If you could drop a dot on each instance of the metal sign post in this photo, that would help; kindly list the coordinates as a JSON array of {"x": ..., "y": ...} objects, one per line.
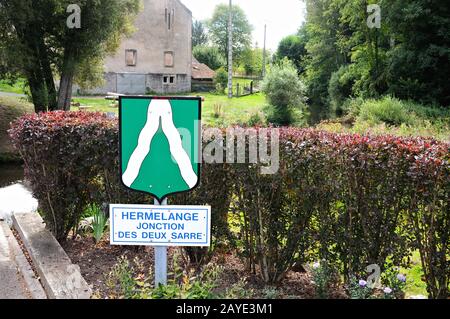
[{"x": 160, "y": 258}]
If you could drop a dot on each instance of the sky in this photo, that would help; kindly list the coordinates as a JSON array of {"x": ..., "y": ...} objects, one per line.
[{"x": 283, "y": 17}]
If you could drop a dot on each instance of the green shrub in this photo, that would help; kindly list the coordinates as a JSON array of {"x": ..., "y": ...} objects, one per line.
[
  {"x": 284, "y": 91},
  {"x": 99, "y": 221},
  {"x": 181, "y": 285},
  {"x": 340, "y": 89},
  {"x": 121, "y": 279},
  {"x": 393, "y": 284},
  {"x": 256, "y": 119},
  {"x": 358, "y": 289},
  {"x": 387, "y": 110},
  {"x": 221, "y": 78},
  {"x": 209, "y": 56},
  {"x": 379, "y": 110},
  {"x": 325, "y": 277}
]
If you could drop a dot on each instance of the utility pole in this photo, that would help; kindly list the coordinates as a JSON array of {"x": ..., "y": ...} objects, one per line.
[
  {"x": 230, "y": 51},
  {"x": 264, "y": 53}
]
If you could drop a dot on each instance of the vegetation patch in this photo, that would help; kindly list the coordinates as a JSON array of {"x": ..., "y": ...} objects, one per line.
[
  {"x": 10, "y": 110},
  {"x": 332, "y": 198}
]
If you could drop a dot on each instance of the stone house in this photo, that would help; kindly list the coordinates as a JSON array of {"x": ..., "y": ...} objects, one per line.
[{"x": 157, "y": 58}]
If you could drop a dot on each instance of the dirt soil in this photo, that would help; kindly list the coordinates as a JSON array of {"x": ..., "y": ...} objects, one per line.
[{"x": 97, "y": 261}]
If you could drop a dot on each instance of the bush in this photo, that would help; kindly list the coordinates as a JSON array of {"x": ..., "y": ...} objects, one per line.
[
  {"x": 122, "y": 280},
  {"x": 429, "y": 215},
  {"x": 284, "y": 91},
  {"x": 71, "y": 160},
  {"x": 387, "y": 110},
  {"x": 325, "y": 278},
  {"x": 221, "y": 79},
  {"x": 209, "y": 56},
  {"x": 343, "y": 198},
  {"x": 99, "y": 221},
  {"x": 340, "y": 89},
  {"x": 347, "y": 199}
]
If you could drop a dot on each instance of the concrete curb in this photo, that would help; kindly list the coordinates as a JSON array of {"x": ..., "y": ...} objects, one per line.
[
  {"x": 61, "y": 279},
  {"x": 33, "y": 285}
]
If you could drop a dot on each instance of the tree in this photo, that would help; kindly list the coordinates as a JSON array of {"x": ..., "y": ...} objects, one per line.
[
  {"x": 324, "y": 57},
  {"x": 209, "y": 56},
  {"x": 407, "y": 55},
  {"x": 199, "y": 36},
  {"x": 285, "y": 92},
  {"x": 293, "y": 47},
  {"x": 36, "y": 42},
  {"x": 23, "y": 30},
  {"x": 242, "y": 30},
  {"x": 252, "y": 60},
  {"x": 418, "y": 63},
  {"x": 103, "y": 24}
]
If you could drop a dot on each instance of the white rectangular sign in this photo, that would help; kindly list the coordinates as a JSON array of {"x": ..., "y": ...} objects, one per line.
[{"x": 150, "y": 225}]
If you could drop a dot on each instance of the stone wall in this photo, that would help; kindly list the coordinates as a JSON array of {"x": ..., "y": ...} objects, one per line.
[{"x": 163, "y": 27}]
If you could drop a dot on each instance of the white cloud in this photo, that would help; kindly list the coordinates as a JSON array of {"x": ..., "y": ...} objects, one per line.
[{"x": 283, "y": 17}]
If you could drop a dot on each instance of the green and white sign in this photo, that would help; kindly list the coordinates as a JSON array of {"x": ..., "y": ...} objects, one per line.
[{"x": 160, "y": 144}]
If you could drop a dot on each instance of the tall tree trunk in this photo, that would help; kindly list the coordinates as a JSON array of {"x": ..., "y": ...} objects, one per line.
[
  {"x": 48, "y": 76},
  {"x": 35, "y": 76},
  {"x": 38, "y": 91},
  {"x": 28, "y": 36},
  {"x": 65, "y": 91},
  {"x": 66, "y": 82}
]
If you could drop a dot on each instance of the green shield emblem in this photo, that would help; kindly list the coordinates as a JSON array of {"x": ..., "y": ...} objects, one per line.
[{"x": 160, "y": 144}]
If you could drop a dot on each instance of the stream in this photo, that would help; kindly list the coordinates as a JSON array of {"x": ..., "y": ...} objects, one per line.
[{"x": 15, "y": 195}]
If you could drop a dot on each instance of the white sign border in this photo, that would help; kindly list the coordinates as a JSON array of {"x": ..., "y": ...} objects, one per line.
[{"x": 159, "y": 244}]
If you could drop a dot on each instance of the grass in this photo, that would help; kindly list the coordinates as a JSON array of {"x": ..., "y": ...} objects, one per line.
[
  {"x": 415, "y": 285},
  {"x": 97, "y": 104},
  {"x": 17, "y": 87},
  {"x": 233, "y": 111},
  {"x": 10, "y": 109}
]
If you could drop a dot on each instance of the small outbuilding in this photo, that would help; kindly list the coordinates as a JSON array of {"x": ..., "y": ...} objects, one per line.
[{"x": 202, "y": 77}]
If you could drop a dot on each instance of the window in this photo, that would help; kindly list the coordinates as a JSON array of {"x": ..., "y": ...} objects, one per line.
[
  {"x": 168, "y": 59},
  {"x": 169, "y": 18},
  {"x": 131, "y": 57},
  {"x": 169, "y": 79}
]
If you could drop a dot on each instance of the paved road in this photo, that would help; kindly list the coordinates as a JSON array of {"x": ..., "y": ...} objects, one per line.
[
  {"x": 17, "y": 278},
  {"x": 12, "y": 284},
  {"x": 11, "y": 94}
]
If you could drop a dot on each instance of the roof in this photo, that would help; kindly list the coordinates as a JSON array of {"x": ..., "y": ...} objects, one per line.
[
  {"x": 184, "y": 6},
  {"x": 201, "y": 70}
]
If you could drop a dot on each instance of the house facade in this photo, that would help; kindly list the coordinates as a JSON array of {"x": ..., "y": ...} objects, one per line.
[{"x": 157, "y": 58}]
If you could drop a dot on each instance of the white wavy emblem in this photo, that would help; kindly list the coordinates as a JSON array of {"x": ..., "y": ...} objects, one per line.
[{"x": 159, "y": 109}]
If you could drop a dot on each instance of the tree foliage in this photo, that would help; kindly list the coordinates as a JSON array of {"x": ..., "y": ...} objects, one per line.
[
  {"x": 36, "y": 42},
  {"x": 242, "y": 30},
  {"x": 285, "y": 92},
  {"x": 209, "y": 55},
  {"x": 252, "y": 61},
  {"x": 199, "y": 35},
  {"x": 407, "y": 57},
  {"x": 293, "y": 47}
]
